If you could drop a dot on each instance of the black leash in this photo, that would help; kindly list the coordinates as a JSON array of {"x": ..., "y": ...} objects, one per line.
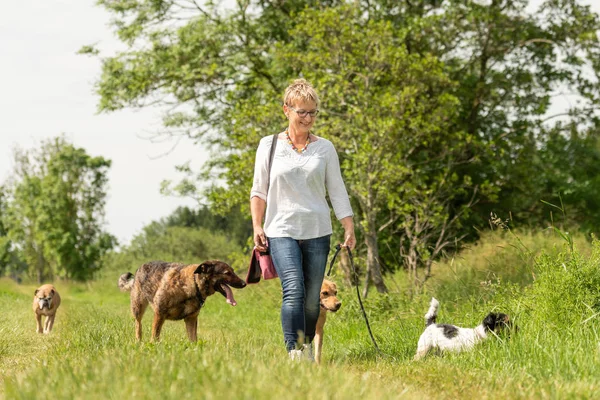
[{"x": 355, "y": 274}]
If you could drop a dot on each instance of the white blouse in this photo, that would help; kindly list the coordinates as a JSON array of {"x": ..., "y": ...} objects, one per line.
[{"x": 296, "y": 202}]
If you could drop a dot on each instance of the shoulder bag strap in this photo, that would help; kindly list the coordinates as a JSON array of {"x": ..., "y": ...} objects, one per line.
[{"x": 273, "y": 146}]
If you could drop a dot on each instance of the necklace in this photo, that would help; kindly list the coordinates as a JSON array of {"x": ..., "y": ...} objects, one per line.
[{"x": 287, "y": 135}]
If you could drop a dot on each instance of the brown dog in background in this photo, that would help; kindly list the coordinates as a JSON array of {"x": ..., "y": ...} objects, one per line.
[
  {"x": 177, "y": 291},
  {"x": 45, "y": 302},
  {"x": 329, "y": 303}
]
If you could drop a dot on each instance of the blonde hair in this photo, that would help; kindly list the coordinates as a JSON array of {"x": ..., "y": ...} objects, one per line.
[{"x": 300, "y": 89}]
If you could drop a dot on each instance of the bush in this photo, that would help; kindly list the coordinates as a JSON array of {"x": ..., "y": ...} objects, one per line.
[{"x": 566, "y": 290}]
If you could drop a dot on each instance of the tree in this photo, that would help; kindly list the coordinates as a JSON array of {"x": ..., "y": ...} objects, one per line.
[
  {"x": 56, "y": 208},
  {"x": 400, "y": 151},
  {"x": 182, "y": 244},
  {"x": 6, "y": 254},
  {"x": 510, "y": 65},
  {"x": 440, "y": 105},
  {"x": 233, "y": 225},
  {"x": 249, "y": 75}
]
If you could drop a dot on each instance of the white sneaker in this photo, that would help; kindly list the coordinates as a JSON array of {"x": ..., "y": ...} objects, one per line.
[
  {"x": 304, "y": 354},
  {"x": 307, "y": 352},
  {"x": 295, "y": 355}
]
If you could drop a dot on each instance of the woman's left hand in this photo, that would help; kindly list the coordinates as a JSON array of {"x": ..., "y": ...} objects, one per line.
[{"x": 349, "y": 239}]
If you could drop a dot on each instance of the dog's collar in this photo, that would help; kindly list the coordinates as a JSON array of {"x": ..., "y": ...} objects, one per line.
[{"x": 198, "y": 293}]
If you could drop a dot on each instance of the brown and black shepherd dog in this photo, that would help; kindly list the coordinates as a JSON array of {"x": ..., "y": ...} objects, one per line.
[{"x": 177, "y": 291}]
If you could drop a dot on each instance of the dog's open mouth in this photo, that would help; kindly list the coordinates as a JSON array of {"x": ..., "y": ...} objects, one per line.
[
  {"x": 323, "y": 306},
  {"x": 226, "y": 291}
]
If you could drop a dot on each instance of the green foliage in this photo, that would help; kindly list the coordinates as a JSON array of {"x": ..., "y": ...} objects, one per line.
[
  {"x": 498, "y": 260},
  {"x": 440, "y": 110},
  {"x": 565, "y": 293},
  {"x": 400, "y": 153},
  {"x": 5, "y": 244},
  {"x": 520, "y": 62},
  {"x": 11, "y": 260},
  {"x": 180, "y": 244},
  {"x": 55, "y": 210},
  {"x": 158, "y": 241},
  {"x": 234, "y": 225}
]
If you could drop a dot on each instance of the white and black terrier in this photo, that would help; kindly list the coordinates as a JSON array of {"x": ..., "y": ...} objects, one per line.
[{"x": 444, "y": 337}]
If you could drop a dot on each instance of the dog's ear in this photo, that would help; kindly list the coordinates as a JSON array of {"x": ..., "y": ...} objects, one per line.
[
  {"x": 505, "y": 321},
  {"x": 205, "y": 268},
  {"x": 490, "y": 321},
  {"x": 36, "y": 290},
  {"x": 52, "y": 292}
]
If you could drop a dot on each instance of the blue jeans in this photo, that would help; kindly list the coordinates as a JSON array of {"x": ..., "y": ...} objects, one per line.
[{"x": 300, "y": 265}]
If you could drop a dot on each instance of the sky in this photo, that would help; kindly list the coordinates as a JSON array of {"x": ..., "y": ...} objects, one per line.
[{"x": 46, "y": 90}]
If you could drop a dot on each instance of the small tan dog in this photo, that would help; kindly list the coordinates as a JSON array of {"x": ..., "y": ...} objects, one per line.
[
  {"x": 45, "y": 302},
  {"x": 329, "y": 303}
]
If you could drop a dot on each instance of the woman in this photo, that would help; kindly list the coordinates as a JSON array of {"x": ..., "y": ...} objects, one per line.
[{"x": 297, "y": 222}]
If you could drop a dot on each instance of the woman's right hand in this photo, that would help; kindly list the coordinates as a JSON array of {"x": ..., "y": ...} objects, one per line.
[{"x": 260, "y": 240}]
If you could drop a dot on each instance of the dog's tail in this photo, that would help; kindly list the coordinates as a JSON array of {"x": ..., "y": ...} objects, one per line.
[
  {"x": 431, "y": 315},
  {"x": 126, "y": 282}
]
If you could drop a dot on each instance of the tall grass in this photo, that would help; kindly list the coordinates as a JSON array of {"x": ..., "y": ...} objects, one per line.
[{"x": 550, "y": 291}]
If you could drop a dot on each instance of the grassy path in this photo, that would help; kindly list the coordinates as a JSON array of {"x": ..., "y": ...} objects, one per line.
[{"x": 92, "y": 354}]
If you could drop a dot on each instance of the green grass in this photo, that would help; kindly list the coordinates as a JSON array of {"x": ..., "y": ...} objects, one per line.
[{"x": 240, "y": 355}]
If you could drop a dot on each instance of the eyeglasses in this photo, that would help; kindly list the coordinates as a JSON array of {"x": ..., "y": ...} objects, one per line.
[{"x": 303, "y": 113}]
